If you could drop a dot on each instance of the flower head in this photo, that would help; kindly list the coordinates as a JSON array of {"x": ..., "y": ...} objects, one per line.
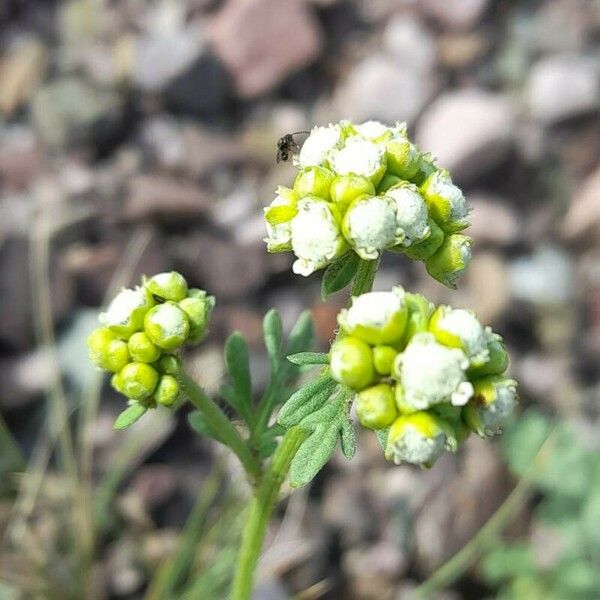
[
  {"x": 382, "y": 192},
  {"x": 494, "y": 400},
  {"x": 142, "y": 328}
]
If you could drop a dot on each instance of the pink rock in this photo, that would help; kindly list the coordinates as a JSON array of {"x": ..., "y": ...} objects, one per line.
[
  {"x": 582, "y": 221},
  {"x": 263, "y": 41},
  {"x": 455, "y": 14}
]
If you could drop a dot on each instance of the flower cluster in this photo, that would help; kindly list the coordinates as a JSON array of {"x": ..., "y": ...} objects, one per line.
[
  {"x": 427, "y": 376},
  {"x": 142, "y": 329},
  {"x": 367, "y": 188}
]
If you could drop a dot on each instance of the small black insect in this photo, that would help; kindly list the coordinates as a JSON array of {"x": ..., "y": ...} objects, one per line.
[{"x": 287, "y": 145}]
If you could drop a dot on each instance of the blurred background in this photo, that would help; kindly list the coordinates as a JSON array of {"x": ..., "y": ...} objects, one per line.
[{"x": 140, "y": 135}]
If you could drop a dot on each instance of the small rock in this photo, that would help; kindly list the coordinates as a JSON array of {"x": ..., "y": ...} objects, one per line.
[
  {"x": 25, "y": 378},
  {"x": 222, "y": 267},
  {"x": 261, "y": 42},
  {"x": 410, "y": 43},
  {"x": 21, "y": 69},
  {"x": 459, "y": 50},
  {"x": 205, "y": 150},
  {"x": 162, "y": 138},
  {"x": 399, "y": 94},
  {"x": 20, "y": 157},
  {"x": 154, "y": 485},
  {"x": 582, "y": 221},
  {"x": 160, "y": 58},
  {"x": 545, "y": 277},
  {"x": 493, "y": 221},
  {"x": 165, "y": 197},
  {"x": 577, "y": 78},
  {"x": 543, "y": 375},
  {"x": 564, "y": 25},
  {"x": 468, "y": 130},
  {"x": 455, "y": 14}
]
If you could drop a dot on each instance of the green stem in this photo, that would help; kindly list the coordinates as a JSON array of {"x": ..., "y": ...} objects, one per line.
[
  {"x": 365, "y": 275},
  {"x": 220, "y": 424},
  {"x": 262, "y": 505},
  {"x": 450, "y": 571}
]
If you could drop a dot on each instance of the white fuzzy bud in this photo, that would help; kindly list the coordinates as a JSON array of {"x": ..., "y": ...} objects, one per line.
[{"x": 411, "y": 214}]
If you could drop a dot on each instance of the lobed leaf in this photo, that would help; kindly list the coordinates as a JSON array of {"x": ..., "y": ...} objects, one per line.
[
  {"x": 301, "y": 335},
  {"x": 305, "y": 401},
  {"x": 273, "y": 334},
  {"x": 239, "y": 396},
  {"x": 198, "y": 424},
  {"x": 339, "y": 274}
]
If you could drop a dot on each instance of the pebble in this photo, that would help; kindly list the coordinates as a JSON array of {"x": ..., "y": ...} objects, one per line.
[
  {"x": 581, "y": 223},
  {"x": 401, "y": 92},
  {"x": 455, "y": 14},
  {"x": 493, "y": 221},
  {"x": 577, "y": 78},
  {"x": 261, "y": 42},
  {"x": 487, "y": 282},
  {"x": 545, "y": 277},
  {"x": 469, "y": 130},
  {"x": 410, "y": 43}
]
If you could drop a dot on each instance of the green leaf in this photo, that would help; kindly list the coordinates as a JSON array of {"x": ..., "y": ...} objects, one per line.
[
  {"x": 199, "y": 425},
  {"x": 325, "y": 426},
  {"x": 238, "y": 366},
  {"x": 309, "y": 358},
  {"x": 129, "y": 416},
  {"x": 268, "y": 440},
  {"x": 273, "y": 333},
  {"x": 339, "y": 274},
  {"x": 305, "y": 401},
  {"x": 508, "y": 561},
  {"x": 382, "y": 437}
]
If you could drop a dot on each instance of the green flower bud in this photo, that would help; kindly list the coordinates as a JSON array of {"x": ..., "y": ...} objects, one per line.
[
  {"x": 376, "y": 317},
  {"x": 359, "y": 157},
  {"x": 459, "y": 328},
  {"x": 318, "y": 145},
  {"x": 402, "y": 157},
  {"x": 427, "y": 247},
  {"x": 198, "y": 310},
  {"x": 418, "y": 438},
  {"x": 493, "y": 402},
  {"x": 137, "y": 380},
  {"x": 446, "y": 202},
  {"x": 497, "y": 361},
  {"x": 346, "y": 188},
  {"x": 277, "y": 220},
  {"x": 106, "y": 350},
  {"x": 375, "y": 406},
  {"x": 419, "y": 313},
  {"x": 369, "y": 225},
  {"x": 450, "y": 259},
  {"x": 169, "y": 364},
  {"x": 351, "y": 363},
  {"x": 167, "y": 326},
  {"x": 116, "y": 383},
  {"x": 168, "y": 286},
  {"x": 314, "y": 181},
  {"x": 125, "y": 314},
  {"x": 388, "y": 182},
  {"x": 142, "y": 349},
  {"x": 167, "y": 390},
  {"x": 383, "y": 359},
  {"x": 431, "y": 373},
  {"x": 411, "y": 214},
  {"x": 316, "y": 236}
]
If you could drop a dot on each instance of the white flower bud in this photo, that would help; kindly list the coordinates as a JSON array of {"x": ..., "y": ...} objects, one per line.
[
  {"x": 446, "y": 201},
  {"x": 431, "y": 373},
  {"x": 493, "y": 402},
  {"x": 370, "y": 225},
  {"x": 459, "y": 328},
  {"x": 411, "y": 214},
  {"x": 373, "y": 130},
  {"x": 316, "y": 236},
  {"x": 360, "y": 157},
  {"x": 277, "y": 220},
  {"x": 125, "y": 314},
  {"x": 376, "y": 317},
  {"x": 318, "y": 145}
]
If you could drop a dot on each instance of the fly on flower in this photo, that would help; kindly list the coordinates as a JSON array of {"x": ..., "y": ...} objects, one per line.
[{"x": 286, "y": 145}]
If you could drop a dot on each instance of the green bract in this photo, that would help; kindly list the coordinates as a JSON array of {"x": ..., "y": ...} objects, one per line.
[
  {"x": 142, "y": 328},
  {"x": 380, "y": 192}
]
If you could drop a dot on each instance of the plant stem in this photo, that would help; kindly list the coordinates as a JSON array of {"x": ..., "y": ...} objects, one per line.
[
  {"x": 365, "y": 275},
  {"x": 451, "y": 570},
  {"x": 221, "y": 425},
  {"x": 262, "y": 505}
]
